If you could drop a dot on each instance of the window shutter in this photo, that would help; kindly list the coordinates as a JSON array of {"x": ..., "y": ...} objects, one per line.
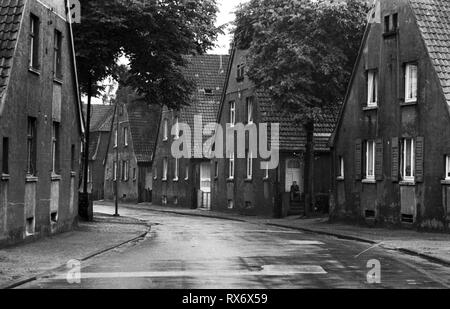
[
  {"x": 395, "y": 157},
  {"x": 379, "y": 160},
  {"x": 419, "y": 163},
  {"x": 358, "y": 157}
]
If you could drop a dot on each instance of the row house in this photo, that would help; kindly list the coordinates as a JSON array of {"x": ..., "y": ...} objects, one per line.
[
  {"x": 100, "y": 132},
  {"x": 186, "y": 181},
  {"x": 40, "y": 120},
  {"x": 243, "y": 184},
  {"x": 130, "y": 152},
  {"x": 391, "y": 147}
]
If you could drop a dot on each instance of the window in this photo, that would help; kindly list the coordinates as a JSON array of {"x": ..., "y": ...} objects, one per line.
[
  {"x": 231, "y": 167},
  {"x": 125, "y": 171},
  {"x": 187, "y": 172},
  {"x": 391, "y": 23},
  {"x": 249, "y": 165},
  {"x": 55, "y": 148},
  {"x": 177, "y": 128},
  {"x": 34, "y": 42},
  {"x": 165, "y": 167},
  {"x": 125, "y": 136},
  {"x": 372, "y": 88},
  {"x": 175, "y": 171},
  {"x": 165, "y": 130},
  {"x": 232, "y": 113},
  {"x": 5, "y": 156},
  {"x": 57, "y": 64},
  {"x": 447, "y": 167},
  {"x": 341, "y": 167},
  {"x": 370, "y": 160},
  {"x": 89, "y": 177},
  {"x": 216, "y": 169},
  {"x": 209, "y": 92},
  {"x": 250, "y": 110},
  {"x": 411, "y": 83},
  {"x": 408, "y": 168},
  {"x": 116, "y": 138},
  {"x": 31, "y": 147},
  {"x": 240, "y": 72},
  {"x": 115, "y": 171},
  {"x": 72, "y": 158}
]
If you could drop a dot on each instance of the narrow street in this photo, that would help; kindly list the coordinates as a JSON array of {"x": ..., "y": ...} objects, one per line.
[{"x": 184, "y": 252}]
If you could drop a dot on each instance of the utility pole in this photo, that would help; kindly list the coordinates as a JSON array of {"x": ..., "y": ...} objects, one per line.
[{"x": 116, "y": 184}]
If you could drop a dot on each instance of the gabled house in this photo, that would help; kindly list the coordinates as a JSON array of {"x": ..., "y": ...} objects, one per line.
[
  {"x": 41, "y": 121},
  {"x": 131, "y": 150},
  {"x": 242, "y": 184},
  {"x": 186, "y": 182},
  {"x": 391, "y": 147},
  {"x": 100, "y": 132}
]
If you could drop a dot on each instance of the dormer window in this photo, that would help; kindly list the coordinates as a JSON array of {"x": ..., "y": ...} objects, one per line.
[{"x": 209, "y": 91}]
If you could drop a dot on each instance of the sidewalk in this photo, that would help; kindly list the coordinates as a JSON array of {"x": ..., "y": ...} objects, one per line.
[
  {"x": 431, "y": 246},
  {"x": 26, "y": 261}
]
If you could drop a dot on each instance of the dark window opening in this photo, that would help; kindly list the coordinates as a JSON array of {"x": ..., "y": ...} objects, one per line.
[
  {"x": 56, "y": 148},
  {"x": 58, "y": 55},
  {"x": 54, "y": 217},
  {"x": 31, "y": 146},
  {"x": 5, "y": 156},
  {"x": 370, "y": 214},
  {"x": 29, "y": 229},
  {"x": 209, "y": 92},
  {"x": 407, "y": 219},
  {"x": 72, "y": 158},
  {"x": 240, "y": 72}
]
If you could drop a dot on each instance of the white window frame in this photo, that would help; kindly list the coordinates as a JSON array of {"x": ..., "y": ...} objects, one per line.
[
  {"x": 250, "y": 109},
  {"x": 231, "y": 166},
  {"x": 410, "y": 83},
  {"x": 115, "y": 171},
  {"x": 186, "y": 169},
  {"x": 165, "y": 130},
  {"x": 232, "y": 113},
  {"x": 116, "y": 138},
  {"x": 249, "y": 165},
  {"x": 176, "y": 170},
  {"x": 411, "y": 177},
  {"x": 372, "y": 88},
  {"x": 370, "y": 176},
  {"x": 177, "y": 128},
  {"x": 165, "y": 169},
  {"x": 341, "y": 168},
  {"x": 447, "y": 167},
  {"x": 125, "y": 136}
]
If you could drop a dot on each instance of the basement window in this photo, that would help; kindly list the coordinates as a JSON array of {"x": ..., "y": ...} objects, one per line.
[
  {"x": 230, "y": 204},
  {"x": 370, "y": 214},
  {"x": 29, "y": 229},
  {"x": 409, "y": 219},
  {"x": 175, "y": 200},
  {"x": 54, "y": 217}
]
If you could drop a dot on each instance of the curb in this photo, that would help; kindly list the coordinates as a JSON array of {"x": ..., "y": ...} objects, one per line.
[
  {"x": 198, "y": 215},
  {"x": 47, "y": 273}
]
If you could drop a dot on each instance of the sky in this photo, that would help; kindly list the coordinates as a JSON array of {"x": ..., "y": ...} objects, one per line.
[{"x": 225, "y": 15}]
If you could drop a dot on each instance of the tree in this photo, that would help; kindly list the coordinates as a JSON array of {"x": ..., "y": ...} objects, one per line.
[
  {"x": 154, "y": 35},
  {"x": 301, "y": 54}
]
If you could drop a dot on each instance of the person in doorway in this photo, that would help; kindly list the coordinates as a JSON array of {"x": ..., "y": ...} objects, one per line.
[{"x": 295, "y": 192}]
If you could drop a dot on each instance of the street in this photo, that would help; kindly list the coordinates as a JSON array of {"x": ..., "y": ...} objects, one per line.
[{"x": 184, "y": 252}]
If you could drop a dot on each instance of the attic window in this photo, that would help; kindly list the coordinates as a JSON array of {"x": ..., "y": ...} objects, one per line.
[
  {"x": 34, "y": 42},
  {"x": 240, "y": 72},
  {"x": 209, "y": 91},
  {"x": 390, "y": 24}
]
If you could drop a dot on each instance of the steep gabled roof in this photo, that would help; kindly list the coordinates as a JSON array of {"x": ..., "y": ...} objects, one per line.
[
  {"x": 101, "y": 117},
  {"x": 433, "y": 19},
  {"x": 11, "y": 12},
  {"x": 144, "y": 123},
  {"x": 208, "y": 72},
  {"x": 292, "y": 134}
]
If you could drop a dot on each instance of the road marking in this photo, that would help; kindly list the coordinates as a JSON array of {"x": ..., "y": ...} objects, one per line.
[
  {"x": 306, "y": 242},
  {"x": 266, "y": 270}
]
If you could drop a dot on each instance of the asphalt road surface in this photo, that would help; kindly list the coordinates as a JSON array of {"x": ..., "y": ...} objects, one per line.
[{"x": 183, "y": 252}]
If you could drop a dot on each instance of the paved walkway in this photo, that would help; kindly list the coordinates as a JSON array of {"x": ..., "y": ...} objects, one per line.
[
  {"x": 433, "y": 246},
  {"x": 26, "y": 261}
]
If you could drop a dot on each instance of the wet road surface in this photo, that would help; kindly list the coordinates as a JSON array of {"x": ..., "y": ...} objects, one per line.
[{"x": 183, "y": 252}]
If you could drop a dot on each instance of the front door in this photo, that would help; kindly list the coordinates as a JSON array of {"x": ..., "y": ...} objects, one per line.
[
  {"x": 293, "y": 174},
  {"x": 204, "y": 199}
]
